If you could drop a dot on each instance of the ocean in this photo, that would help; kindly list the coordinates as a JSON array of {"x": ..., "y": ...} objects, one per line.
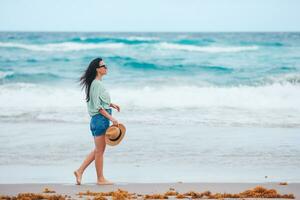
[{"x": 192, "y": 103}]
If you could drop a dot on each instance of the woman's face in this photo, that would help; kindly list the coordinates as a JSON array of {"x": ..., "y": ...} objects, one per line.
[{"x": 103, "y": 69}]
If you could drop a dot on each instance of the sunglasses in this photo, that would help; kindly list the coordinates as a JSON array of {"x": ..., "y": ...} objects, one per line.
[{"x": 103, "y": 66}]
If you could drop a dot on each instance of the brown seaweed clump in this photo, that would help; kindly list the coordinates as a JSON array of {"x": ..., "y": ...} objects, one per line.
[
  {"x": 257, "y": 192},
  {"x": 47, "y": 190},
  {"x": 171, "y": 193},
  {"x": 116, "y": 195},
  {"x": 223, "y": 195},
  {"x": 122, "y": 195},
  {"x": 155, "y": 196},
  {"x": 283, "y": 183},
  {"x": 6, "y": 197},
  {"x": 33, "y": 196},
  {"x": 206, "y": 193},
  {"x": 261, "y": 192},
  {"x": 181, "y": 196},
  {"x": 100, "y": 197},
  {"x": 194, "y": 195},
  {"x": 89, "y": 193}
]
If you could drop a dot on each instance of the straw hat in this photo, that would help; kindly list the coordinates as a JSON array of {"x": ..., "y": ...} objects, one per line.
[{"x": 114, "y": 134}]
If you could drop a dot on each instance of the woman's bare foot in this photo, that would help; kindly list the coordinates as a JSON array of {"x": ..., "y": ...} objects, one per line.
[
  {"x": 104, "y": 181},
  {"x": 78, "y": 176}
]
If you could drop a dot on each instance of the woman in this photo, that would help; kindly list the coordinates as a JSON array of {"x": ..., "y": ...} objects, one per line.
[{"x": 98, "y": 104}]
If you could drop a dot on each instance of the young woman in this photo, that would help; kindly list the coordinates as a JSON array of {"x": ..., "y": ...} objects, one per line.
[{"x": 98, "y": 104}]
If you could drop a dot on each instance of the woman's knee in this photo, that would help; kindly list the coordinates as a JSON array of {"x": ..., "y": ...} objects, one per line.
[{"x": 99, "y": 151}]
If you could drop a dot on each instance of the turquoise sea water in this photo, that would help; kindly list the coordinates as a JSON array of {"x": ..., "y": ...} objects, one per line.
[
  {"x": 232, "y": 79},
  {"x": 245, "y": 83}
]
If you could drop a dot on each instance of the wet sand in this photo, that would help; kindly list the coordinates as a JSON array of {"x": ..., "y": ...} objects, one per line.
[
  {"x": 146, "y": 188},
  {"x": 245, "y": 154}
]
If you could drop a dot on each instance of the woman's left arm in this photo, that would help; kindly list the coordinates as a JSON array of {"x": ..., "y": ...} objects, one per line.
[{"x": 115, "y": 106}]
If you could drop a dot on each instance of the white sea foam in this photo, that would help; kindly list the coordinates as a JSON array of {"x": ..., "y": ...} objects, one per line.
[
  {"x": 129, "y": 38},
  {"x": 209, "y": 49},
  {"x": 64, "y": 46},
  {"x": 293, "y": 78},
  {"x": 139, "y": 38},
  {"x": 159, "y": 97},
  {"x": 73, "y": 46},
  {"x": 269, "y": 96},
  {"x": 271, "y": 103},
  {"x": 33, "y": 95}
]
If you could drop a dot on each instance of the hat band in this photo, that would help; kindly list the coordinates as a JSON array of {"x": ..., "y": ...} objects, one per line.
[{"x": 117, "y": 137}]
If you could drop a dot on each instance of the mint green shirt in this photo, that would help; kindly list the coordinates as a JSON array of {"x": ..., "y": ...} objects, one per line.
[{"x": 99, "y": 98}]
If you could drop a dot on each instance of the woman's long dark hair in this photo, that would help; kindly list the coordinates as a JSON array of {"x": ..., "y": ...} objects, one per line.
[{"x": 88, "y": 76}]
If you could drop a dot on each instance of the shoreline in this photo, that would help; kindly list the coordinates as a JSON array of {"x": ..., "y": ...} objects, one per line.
[
  {"x": 244, "y": 154},
  {"x": 146, "y": 188}
]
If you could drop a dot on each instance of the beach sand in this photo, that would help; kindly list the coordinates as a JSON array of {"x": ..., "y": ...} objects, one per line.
[{"x": 146, "y": 188}]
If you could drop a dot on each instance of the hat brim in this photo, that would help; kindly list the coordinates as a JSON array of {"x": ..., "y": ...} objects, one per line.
[{"x": 113, "y": 143}]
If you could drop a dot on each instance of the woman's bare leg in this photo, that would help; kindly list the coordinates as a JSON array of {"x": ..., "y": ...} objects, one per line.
[
  {"x": 90, "y": 158},
  {"x": 78, "y": 173},
  {"x": 99, "y": 158}
]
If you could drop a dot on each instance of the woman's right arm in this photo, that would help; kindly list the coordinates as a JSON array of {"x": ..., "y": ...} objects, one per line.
[
  {"x": 96, "y": 96},
  {"x": 108, "y": 116}
]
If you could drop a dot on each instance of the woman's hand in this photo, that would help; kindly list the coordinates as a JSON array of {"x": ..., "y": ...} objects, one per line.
[
  {"x": 115, "y": 106},
  {"x": 114, "y": 121}
]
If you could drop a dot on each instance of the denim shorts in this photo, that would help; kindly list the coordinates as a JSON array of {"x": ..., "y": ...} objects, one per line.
[{"x": 99, "y": 124}]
